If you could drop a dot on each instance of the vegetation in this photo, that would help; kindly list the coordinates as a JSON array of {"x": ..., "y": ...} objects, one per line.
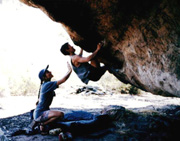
[
  {"x": 25, "y": 84},
  {"x": 109, "y": 82},
  {"x": 129, "y": 89}
]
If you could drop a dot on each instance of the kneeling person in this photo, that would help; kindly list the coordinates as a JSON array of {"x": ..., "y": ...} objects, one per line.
[{"x": 42, "y": 113}]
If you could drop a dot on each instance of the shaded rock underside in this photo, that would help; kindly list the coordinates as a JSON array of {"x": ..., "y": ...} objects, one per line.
[{"x": 142, "y": 42}]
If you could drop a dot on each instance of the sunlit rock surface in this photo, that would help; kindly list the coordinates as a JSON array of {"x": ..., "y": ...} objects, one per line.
[{"x": 142, "y": 37}]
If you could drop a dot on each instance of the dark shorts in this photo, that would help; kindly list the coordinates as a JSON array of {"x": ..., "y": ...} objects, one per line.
[
  {"x": 96, "y": 73},
  {"x": 43, "y": 117}
]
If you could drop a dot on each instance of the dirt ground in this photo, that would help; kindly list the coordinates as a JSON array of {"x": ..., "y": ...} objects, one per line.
[{"x": 144, "y": 117}]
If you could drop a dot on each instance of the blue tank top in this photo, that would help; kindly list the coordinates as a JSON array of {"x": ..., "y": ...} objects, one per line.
[{"x": 82, "y": 71}]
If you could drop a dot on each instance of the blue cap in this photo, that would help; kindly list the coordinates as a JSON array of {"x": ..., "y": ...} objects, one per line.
[{"x": 42, "y": 72}]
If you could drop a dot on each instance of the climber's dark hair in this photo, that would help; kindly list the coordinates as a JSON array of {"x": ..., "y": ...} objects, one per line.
[{"x": 64, "y": 48}]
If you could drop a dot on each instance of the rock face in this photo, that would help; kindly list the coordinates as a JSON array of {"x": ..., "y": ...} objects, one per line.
[
  {"x": 142, "y": 38},
  {"x": 127, "y": 125}
]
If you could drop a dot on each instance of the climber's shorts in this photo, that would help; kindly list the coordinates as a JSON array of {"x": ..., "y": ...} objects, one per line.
[{"x": 96, "y": 73}]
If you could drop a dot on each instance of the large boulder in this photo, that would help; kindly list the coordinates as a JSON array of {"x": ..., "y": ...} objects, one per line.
[{"x": 142, "y": 37}]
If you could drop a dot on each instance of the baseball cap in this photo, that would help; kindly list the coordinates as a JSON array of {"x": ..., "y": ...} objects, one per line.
[{"x": 42, "y": 72}]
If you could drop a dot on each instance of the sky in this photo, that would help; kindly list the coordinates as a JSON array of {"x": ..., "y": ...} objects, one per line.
[
  {"x": 29, "y": 40},
  {"x": 27, "y": 34}
]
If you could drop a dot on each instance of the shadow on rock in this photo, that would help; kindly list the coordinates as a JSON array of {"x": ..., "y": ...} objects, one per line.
[{"x": 112, "y": 123}]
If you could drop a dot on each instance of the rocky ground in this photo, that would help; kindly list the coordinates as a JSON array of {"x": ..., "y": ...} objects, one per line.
[{"x": 134, "y": 117}]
